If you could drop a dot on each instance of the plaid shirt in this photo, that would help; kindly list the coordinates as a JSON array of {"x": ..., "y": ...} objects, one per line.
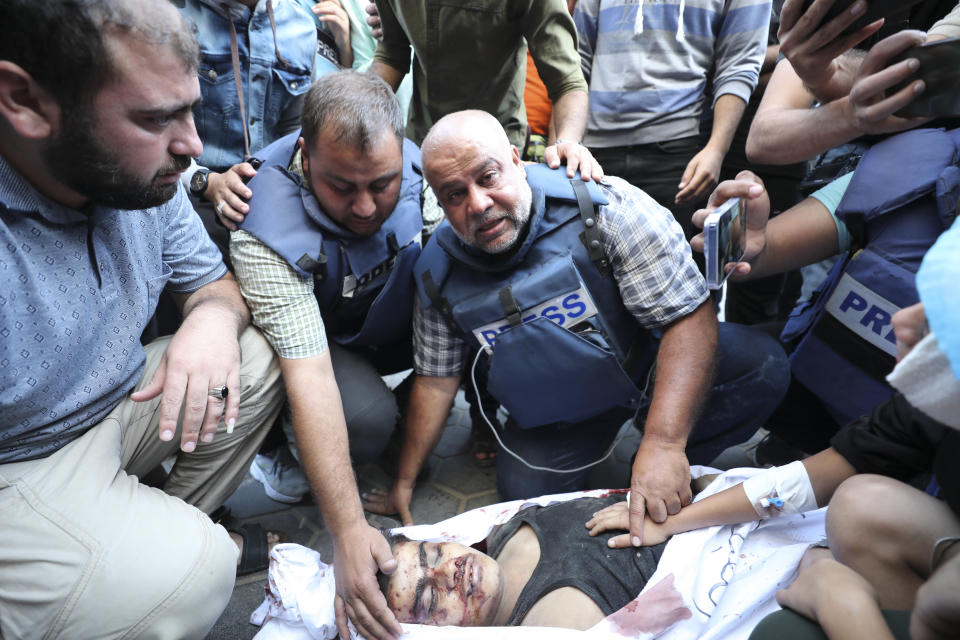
[
  {"x": 281, "y": 303},
  {"x": 652, "y": 265}
]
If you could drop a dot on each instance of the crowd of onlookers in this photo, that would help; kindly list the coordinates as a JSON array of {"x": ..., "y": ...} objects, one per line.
[{"x": 505, "y": 197}]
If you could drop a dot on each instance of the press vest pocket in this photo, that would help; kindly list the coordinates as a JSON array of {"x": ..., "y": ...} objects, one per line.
[
  {"x": 383, "y": 322},
  {"x": 543, "y": 373}
]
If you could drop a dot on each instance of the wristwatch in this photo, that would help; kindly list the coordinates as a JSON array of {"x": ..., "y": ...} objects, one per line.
[{"x": 198, "y": 182}]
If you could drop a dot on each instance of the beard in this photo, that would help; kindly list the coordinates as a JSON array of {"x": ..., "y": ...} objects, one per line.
[
  {"x": 517, "y": 218},
  {"x": 77, "y": 159}
]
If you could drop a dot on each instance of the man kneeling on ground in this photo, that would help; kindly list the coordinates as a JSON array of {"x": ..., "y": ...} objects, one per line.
[{"x": 96, "y": 125}]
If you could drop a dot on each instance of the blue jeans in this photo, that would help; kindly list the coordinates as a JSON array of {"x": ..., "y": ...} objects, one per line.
[{"x": 752, "y": 375}]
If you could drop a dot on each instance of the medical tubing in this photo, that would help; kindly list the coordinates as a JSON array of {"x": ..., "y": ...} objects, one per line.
[
  {"x": 616, "y": 441},
  {"x": 781, "y": 490}
]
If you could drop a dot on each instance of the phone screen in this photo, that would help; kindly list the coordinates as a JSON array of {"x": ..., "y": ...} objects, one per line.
[{"x": 725, "y": 243}]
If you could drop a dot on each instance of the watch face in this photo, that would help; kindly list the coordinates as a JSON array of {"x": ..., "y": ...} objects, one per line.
[{"x": 198, "y": 182}]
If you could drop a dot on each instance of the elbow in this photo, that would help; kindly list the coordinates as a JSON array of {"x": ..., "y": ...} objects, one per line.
[
  {"x": 757, "y": 149},
  {"x": 754, "y": 150}
]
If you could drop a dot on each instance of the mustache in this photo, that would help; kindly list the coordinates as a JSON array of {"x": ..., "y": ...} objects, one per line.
[
  {"x": 179, "y": 163},
  {"x": 488, "y": 216}
]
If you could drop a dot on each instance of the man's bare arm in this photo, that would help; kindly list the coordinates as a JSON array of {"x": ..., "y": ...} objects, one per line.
[
  {"x": 359, "y": 549},
  {"x": 703, "y": 170},
  {"x": 786, "y": 129},
  {"x": 391, "y": 76},
  {"x": 570, "y": 119},
  {"x": 801, "y": 235},
  {"x": 660, "y": 480}
]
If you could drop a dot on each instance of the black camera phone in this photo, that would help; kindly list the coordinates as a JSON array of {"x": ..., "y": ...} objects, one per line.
[
  {"x": 940, "y": 72},
  {"x": 876, "y": 9}
]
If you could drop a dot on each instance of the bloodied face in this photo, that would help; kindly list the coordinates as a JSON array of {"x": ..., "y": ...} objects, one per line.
[{"x": 444, "y": 584}]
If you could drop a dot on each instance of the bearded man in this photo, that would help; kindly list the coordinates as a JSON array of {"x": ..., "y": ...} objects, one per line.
[
  {"x": 588, "y": 310},
  {"x": 96, "y": 126}
]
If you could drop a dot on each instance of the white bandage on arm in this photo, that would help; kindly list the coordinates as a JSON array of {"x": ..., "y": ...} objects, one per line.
[{"x": 781, "y": 490}]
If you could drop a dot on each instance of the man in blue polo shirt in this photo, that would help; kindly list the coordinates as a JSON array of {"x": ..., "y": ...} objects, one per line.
[{"x": 96, "y": 127}]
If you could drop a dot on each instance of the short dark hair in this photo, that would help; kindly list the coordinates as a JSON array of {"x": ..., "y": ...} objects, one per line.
[
  {"x": 61, "y": 43},
  {"x": 355, "y": 106},
  {"x": 393, "y": 539}
]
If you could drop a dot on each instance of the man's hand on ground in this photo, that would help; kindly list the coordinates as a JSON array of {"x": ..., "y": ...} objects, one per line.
[
  {"x": 700, "y": 176},
  {"x": 358, "y": 555},
  {"x": 397, "y": 501},
  {"x": 230, "y": 189},
  {"x": 870, "y": 107},
  {"x": 200, "y": 356},
  {"x": 577, "y": 157},
  {"x": 659, "y": 484}
]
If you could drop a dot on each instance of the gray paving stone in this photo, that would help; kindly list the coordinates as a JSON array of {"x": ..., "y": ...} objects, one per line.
[
  {"x": 482, "y": 500},
  {"x": 250, "y": 500},
  {"x": 234, "y": 624},
  {"x": 462, "y": 475},
  {"x": 454, "y": 441},
  {"x": 431, "y": 504}
]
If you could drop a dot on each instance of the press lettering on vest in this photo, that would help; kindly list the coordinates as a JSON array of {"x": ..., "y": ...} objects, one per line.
[
  {"x": 864, "y": 312},
  {"x": 353, "y": 285},
  {"x": 564, "y": 310}
]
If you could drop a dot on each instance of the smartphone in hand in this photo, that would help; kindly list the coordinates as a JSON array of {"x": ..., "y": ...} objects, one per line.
[
  {"x": 725, "y": 241},
  {"x": 940, "y": 72},
  {"x": 876, "y": 9}
]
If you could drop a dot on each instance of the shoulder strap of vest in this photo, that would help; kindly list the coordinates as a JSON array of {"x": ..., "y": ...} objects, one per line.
[
  {"x": 432, "y": 290},
  {"x": 555, "y": 184},
  {"x": 279, "y": 152},
  {"x": 591, "y": 230}
]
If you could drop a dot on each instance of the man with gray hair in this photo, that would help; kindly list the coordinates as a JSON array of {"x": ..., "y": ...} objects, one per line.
[
  {"x": 327, "y": 251},
  {"x": 96, "y": 126}
]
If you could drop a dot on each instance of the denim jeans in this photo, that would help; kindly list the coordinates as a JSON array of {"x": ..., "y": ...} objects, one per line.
[{"x": 751, "y": 377}]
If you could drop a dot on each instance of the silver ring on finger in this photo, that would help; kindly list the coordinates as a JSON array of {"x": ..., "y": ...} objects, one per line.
[
  {"x": 220, "y": 393},
  {"x": 220, "y": 206}
]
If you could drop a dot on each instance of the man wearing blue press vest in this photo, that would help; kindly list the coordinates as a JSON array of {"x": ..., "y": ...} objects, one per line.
[
  {"x": 325, "y": 261},
  {"x": 588, "y": 309}
]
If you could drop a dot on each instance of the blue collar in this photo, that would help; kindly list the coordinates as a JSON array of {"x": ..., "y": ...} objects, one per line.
[{"x": 17, "y": 194}]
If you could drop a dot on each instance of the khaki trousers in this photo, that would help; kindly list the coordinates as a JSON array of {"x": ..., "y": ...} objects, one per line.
[{"x": 86, "y": 551}]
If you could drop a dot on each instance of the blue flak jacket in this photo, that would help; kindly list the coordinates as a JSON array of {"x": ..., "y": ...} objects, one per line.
[
  {"x": 560, "y": 345},
  {"x": 903, "y": 195},
  {"x": 363, "y": 284}
]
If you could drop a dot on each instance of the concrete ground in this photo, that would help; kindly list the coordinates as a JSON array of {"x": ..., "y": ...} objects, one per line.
[{"x": 455, "y": 484}]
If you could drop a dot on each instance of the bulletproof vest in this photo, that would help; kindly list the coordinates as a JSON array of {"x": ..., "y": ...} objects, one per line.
[
  {"x": 558, "y": 343},
  {"x": 363, "y": 284},
  {"x": 902, "y": 196}
]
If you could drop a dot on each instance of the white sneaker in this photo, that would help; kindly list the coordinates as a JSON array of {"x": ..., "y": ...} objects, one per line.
[{"x": 280, "y": 475}]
